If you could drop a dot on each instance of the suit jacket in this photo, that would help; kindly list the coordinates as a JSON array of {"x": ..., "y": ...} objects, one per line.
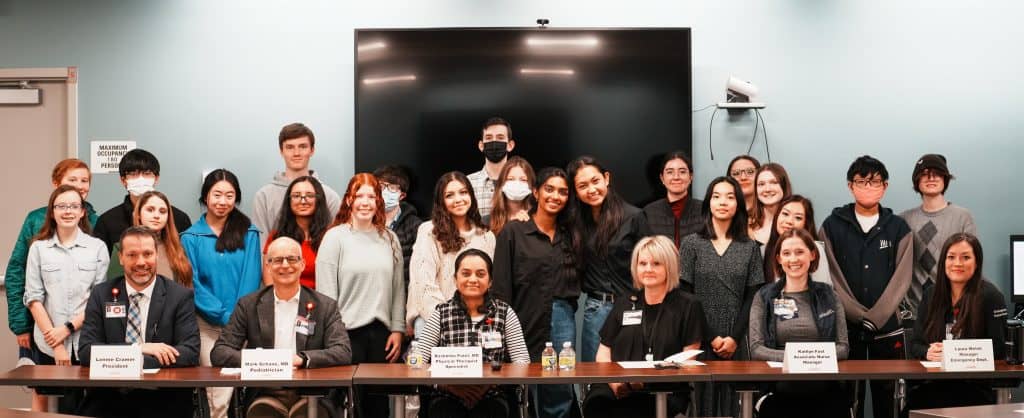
[
  {"x": 171, "y": 320},
  {"x": 252, "y": 325}
]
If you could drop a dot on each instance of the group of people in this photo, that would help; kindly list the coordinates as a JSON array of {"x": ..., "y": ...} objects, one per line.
[{"x": 502, "y": 262}]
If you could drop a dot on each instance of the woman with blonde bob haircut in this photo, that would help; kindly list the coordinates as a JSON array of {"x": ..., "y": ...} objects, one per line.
[{"x": 658, "y": 320}]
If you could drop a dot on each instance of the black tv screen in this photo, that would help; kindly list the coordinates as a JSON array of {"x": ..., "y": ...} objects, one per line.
[{"x": 621, "y": 95}]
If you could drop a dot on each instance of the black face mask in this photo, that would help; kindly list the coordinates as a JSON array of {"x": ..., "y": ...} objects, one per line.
[{"x": 495, "y": 151}]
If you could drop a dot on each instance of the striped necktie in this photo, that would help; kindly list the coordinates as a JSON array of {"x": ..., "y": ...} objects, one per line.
[{"x": 134, "y": 320}]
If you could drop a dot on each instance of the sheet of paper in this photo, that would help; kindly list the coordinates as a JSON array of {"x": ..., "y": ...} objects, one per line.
[
  {"x": 931, "y": 364},
  {"x": 775, "y": 364},
  {"x": 150, "y": 371},
  {"x": 683, "y": 356},
  {"x": 230, "y": 371},
  {"x": 693, "y": 363},
  {"x": 636, "y": 364}
]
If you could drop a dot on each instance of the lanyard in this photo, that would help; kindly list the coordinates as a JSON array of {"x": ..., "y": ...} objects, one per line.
[{"x": 648, "y": 333}]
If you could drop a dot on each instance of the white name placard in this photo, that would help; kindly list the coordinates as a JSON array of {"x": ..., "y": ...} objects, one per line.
[
  {"x": 264, "y": 364},
  {"x": 115, "y": 362},
  {"x": 967, "y": 355},
  {"x": 810, "y": 358},
  {"x": 456, "y": 362}
]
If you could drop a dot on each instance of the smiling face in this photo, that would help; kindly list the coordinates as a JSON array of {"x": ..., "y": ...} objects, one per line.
[
  {"x": 68, "y": 210},
  {"x": 220, "y": 201},
  {"x": 723, "y": 201},
  {"x": 743, "y": 171},
  {"x": 552, "y": 195},
  {"x": 676, "y": 177},
  {"x": 591, "y": 185},
  {"x": 303, "y": 199},
  {"x": 284, "y": 259},
  {"x": 296, "y": 153},
  {"x": 931, "y": 183},
  {"x": 153, "y": 213},
  {"x": 364, "y": 204},
  {"x": 794, "y": 257},
  {"x": 960, "y": 263},
  {"x": 651, "y": 273},
  {"x": 792, "y": 215},
  {"x": 769, "y": 191},
  {"x": 78, "y": 178},
  {"x": 456, "y": 198},
  {"x": 138, "y": 257},
  {"x": 472, "y": 278}
]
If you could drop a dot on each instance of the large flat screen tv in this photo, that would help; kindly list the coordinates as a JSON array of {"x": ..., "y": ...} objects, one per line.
[{"x": 621, "y": 95}]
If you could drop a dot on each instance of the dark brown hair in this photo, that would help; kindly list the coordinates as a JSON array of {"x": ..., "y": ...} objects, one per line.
[
  {"x": 808, "y": 241},
  {"x": 295, "y": 130},
  {"x": 168, "y": 237},
  {"x": 757, "y": 218},
  {"x": 445, "y": 231},
  {"x": 770, "y": 262},
  {"x": 50, "y": 223},
  {"x": 970, "y": 322},
  {"x": 499, "y": 208}
]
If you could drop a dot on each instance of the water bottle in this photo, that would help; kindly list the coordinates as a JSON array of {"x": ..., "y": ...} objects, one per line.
[
  {"x": 567, "y": 357},
  {"x": 414, "y": 359},
  {"x": 548, "y": 358}
]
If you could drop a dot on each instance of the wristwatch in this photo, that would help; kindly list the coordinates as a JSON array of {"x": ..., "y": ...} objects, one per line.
[
  {"x": 305, "y": 360},
  {"x": 70, "y": 326}
]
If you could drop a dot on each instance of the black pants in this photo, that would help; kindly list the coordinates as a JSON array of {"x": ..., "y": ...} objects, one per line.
[
  {"x": 601, "y": 402},
  {"x": 865, "y": 347},
  {"x": 116, "y": 403},
  {"x": 368, "y": 343},
  {"x": 806, "y": 399}
]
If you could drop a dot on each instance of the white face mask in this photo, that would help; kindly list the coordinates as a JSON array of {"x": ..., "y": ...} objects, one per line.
[
  {"x": 139, "y": 185},
  {"x": 516, "y": 190},
  {"x": 391, "y": 199}
]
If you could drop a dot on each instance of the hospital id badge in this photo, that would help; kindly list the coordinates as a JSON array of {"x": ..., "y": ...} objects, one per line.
[
  {"x": 632, "y": 317},
  {"x": 115, "y": 310},
  {"x": 491, "y": 340},
  {"x": 304, "y": 326},
  {"x": 784, "y": 308}
]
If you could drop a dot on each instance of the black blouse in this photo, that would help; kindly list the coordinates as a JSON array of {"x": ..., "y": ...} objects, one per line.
[
  {"x": 993, "y": 307},
  {"x": 664, "y": 330}
]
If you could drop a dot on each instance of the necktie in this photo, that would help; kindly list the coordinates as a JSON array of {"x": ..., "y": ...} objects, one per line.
[{"x": 134, "y": 320}]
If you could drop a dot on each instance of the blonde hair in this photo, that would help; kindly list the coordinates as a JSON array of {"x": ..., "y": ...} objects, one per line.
[{"x": 662, "y": 250}]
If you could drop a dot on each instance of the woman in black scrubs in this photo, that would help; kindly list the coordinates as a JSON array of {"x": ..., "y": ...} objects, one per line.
[{"x": 655, "y": 322}]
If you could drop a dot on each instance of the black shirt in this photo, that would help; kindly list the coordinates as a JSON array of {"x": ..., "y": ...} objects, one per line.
[
  {"x": 609, "y": 273},
  {"x": 663, "y": 222},
  {"x": 993, "y": 307},
  {"x": 664, "y": 330},
  {"x": 530, "y": 270},
  {"x": 113, "y": 222}
]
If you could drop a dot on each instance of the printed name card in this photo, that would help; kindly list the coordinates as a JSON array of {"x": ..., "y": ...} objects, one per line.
[
  {"x": 115, "y": 362},
  {"x": 266, "y": 364},
  {"x": 967, "y": 355},
  {"x": 810, "y": 358},
  {"x": 456, "y": 362}
]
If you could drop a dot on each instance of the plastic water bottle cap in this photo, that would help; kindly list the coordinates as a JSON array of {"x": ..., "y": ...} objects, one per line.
[
  {"x": 547, "y": 344},
  {"x": 566, "y": 344}
]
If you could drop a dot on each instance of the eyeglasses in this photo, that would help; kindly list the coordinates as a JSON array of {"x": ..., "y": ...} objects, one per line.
[
  {"x": 671, "y": 172},
  {"x": 279, "y": 261},
  {"x": 66, "y": 207},
  {"x": 746, "y": 172},
  {"x": 391, "y": 187},
  {"x": 296, "y": 197},
  {"x": 864, "y": 184}
]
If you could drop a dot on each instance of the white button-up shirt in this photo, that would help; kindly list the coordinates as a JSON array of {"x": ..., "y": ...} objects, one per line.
[{"x": 285, "y": 313}]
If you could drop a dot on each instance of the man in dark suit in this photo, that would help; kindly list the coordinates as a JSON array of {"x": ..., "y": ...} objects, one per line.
[
  {"x": 159, "y": 315},
  {"x": 284, "y": 316}
]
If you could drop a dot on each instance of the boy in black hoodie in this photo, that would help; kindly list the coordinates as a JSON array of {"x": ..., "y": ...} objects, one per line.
[{"x": 871, "y": 255}]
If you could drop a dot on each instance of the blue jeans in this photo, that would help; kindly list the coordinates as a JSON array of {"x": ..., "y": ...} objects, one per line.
[
  {"x": 555, "y": 401},
  {"x": 594, "y": 314}
]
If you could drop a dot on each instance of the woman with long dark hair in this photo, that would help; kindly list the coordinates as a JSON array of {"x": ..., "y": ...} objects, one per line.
[
  {"x": 722, "y": 267},
  {"x": 535, "y": 271},
  {"x": 605, "y": 230},
  {"x": 306, "y": 218},
  {"x": 360, "y": 266},
  {"x": 515, "y": 183},
  {"x": 795, "y": 212},
  {"x": 454, "y": 226},
  {"x": 63, "y": 265},
  {"x": 224, "y": 249},
  {"x": 960, "y": 305}
]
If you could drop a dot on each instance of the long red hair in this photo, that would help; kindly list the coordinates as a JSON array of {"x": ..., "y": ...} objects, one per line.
[{"x": 345, "y": 212}]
